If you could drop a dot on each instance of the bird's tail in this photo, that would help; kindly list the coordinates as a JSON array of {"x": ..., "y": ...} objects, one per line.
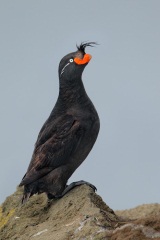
[
  {"x": 26, "y": 196},
  {"x": 29, "y": 190}
]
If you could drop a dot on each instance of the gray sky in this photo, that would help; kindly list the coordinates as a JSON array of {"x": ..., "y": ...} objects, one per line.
[{"x": 122, "y": 79}]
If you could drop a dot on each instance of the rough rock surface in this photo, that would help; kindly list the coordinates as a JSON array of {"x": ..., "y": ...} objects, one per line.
[{"x": 81, "y": 215}]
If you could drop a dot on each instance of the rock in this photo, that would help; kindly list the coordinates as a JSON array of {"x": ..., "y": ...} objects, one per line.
[
  {"x": 79, "y": 215},
  {"x": 144, "y": 222}
]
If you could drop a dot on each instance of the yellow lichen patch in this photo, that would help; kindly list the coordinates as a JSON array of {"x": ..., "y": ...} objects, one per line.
[{"x": 5, "y": 217}]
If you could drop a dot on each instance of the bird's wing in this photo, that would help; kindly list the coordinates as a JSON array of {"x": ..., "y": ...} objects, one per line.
[{"x": 54, "y": 146}]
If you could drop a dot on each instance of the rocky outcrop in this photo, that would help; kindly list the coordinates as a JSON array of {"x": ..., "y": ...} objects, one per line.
[{"x": 81, "y": 215}]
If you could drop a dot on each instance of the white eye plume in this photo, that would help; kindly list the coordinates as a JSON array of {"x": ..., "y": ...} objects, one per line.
[
  {"x": 64, "y": 68},
  {"x": 70, "y": 61}
]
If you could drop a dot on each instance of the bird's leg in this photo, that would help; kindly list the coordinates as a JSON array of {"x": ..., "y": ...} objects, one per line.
[
  {"x": 75, "y": 184},
  {"x": 50, "y": 196}
]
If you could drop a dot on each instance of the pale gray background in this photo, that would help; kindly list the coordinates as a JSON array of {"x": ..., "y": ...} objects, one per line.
[{"x": 122, "y": 79}]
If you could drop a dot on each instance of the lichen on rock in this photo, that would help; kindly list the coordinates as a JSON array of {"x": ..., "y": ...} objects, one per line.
[{"x": 79, "y": 215}]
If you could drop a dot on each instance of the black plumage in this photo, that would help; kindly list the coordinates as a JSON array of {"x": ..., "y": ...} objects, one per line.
[{"x": 67, "y": 136}]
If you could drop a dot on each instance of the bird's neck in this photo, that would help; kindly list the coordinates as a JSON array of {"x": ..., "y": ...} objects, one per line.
[{"x": 72, "y": 92}]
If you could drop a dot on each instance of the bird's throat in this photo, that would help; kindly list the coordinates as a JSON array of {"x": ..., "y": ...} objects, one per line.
[{"x": 72, "y": 92}]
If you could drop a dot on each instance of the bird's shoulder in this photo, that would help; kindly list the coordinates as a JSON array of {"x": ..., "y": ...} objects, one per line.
[{"x": 57, "y": 126}]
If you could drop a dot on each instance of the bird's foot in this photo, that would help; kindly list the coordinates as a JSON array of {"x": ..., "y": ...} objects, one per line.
[
  {"x": 75, "y": 184},
  {"x": 68, "y": 188}
]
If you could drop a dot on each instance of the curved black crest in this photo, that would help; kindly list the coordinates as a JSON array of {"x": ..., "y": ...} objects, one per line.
[{"x": 83, "y": 45}]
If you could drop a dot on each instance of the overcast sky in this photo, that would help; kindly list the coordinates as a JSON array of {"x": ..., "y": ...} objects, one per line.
[{"x": 122, "y": 79}]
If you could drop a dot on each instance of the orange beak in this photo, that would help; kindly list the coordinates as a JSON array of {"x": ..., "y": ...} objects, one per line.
[{"x": 84, "y": 60}]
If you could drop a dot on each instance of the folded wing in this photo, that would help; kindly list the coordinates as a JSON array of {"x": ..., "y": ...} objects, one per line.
[{"x": 55, "y": 144}]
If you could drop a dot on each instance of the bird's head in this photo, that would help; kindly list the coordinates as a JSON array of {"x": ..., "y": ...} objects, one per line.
[{"x": 72, "y": 65}]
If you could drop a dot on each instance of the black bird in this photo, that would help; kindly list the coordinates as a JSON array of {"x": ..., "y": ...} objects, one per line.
[{"x": 67, "y": 136}]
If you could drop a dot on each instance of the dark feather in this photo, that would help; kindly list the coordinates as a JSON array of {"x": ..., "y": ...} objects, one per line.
[
  {"x": 83, "y": 45},
  {"x": 67, "y": 136},
  {"x": 53, "y": 148}
]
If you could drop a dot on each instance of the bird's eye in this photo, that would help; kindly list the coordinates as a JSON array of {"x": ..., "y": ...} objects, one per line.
[{"x": 71, "y": 60}]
